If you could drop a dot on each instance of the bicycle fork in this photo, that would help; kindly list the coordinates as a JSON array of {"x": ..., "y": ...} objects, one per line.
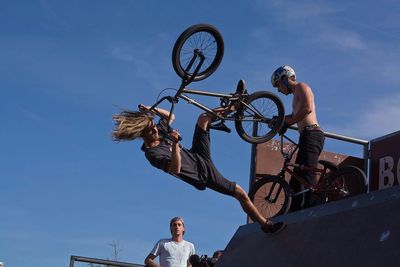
[{"x": 273, "y": 193}]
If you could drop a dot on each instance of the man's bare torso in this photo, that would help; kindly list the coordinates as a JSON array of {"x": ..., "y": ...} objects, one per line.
[{"x": 303, "y": 95}]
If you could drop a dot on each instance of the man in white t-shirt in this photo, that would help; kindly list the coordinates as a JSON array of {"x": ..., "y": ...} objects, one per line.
[{"x": 174, "y": 251}]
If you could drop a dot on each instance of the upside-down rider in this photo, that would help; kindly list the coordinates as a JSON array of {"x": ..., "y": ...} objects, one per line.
[{"x": 193, "y": 166}]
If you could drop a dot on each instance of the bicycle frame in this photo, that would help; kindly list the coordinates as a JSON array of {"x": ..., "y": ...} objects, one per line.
[
  {"x": 182, "y": 94},
  {"x": 287, "y": 165},
  {"x": 183, "y": 91}
]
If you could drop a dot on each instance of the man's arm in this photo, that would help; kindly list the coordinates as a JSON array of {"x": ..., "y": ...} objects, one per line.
[
  {"x": 160, "y": 111},
  {"x": 149, "y": 261},
  {"x": 176, "y": 163},
  {"x": 304, "y": 99},
  {"x": 192, "y": 252}
]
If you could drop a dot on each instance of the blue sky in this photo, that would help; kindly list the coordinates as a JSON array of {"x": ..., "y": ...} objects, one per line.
[{"x": 67, "y": 66}]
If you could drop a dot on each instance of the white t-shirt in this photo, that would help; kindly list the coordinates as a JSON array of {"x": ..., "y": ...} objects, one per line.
[{"x": 173, "y": 254}]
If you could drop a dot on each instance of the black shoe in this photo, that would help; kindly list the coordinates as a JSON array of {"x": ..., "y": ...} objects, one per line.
[
  {"x": 241, "y": 87},
  {"x": 220, "y": 126},
  {"x": 273, "y": 228}
]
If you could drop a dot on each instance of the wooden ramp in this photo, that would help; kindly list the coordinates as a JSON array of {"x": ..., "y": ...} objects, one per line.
[{"x": 359, "y": 231}]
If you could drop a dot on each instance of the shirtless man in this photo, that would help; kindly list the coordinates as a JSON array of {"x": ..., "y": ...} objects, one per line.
[{"x": 311, "y": 141}]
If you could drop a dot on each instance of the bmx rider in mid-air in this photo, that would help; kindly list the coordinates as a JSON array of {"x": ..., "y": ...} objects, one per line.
[{"x": 193, "y": 166}]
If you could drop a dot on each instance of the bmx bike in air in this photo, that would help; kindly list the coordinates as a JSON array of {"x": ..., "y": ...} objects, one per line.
[{"x": 197, "y": 53}]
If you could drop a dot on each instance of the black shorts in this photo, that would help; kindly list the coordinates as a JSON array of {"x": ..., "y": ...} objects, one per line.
[{"x": 214, "y": 179}]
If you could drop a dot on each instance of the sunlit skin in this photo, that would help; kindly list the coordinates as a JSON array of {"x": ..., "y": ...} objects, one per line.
[
  {"x": 303, "y": 106},
  {"x": 282, "y": 88},
  {"x": 150, "y": 135},
  {"x": 177, "y": 230}
]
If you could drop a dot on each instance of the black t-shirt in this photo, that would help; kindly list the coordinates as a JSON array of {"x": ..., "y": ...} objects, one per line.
[{"x": 192, "y": 165}]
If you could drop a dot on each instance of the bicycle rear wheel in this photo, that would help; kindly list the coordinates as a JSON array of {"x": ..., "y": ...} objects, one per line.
[
  {"x": 345, "y": 182},
  {"x": 199, "y": 38},
  {"x": 271, "y": 195},
  {"x": 254, "y": 117}
]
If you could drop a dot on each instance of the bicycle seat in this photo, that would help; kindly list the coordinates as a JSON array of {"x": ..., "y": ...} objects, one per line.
[
  {"x": 220, "y": 126},
  {"x": 241, "y": 87},
  {"x": 328, "y": 165}
]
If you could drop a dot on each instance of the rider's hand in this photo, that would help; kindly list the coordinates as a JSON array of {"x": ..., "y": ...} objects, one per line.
[
  {"x": 175, "y": 136},
  {"x": 143, "y": 107},
  {"x": 273, "y": 122},
  {"x": 284, "y": 128}
]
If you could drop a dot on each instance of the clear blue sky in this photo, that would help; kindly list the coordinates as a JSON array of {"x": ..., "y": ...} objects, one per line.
[{"x": 66, "y": 67}]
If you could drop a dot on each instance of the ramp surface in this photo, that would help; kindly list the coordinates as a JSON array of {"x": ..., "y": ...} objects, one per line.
[{"x": 359, "y": 231}]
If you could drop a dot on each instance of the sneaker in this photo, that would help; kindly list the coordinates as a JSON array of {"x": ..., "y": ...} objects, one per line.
[
  {"x": 220, "y": 126},
  {"x": 272, "y": 228},
  {"x": 241, "y": 87}
]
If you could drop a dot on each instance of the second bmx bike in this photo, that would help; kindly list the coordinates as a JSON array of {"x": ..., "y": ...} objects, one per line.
[{"x": 272, "y": 194}]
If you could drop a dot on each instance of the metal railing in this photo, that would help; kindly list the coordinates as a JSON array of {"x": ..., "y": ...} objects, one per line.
[
  {"x": 102, "y": 262},
  {"x": 357, "y": 141}
]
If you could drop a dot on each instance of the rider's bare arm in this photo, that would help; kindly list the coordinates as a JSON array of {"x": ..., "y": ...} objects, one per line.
[
  {"x": 160, "y": 111},
  {"x": 176, "y": 163},
  {"x": 302, "y": 104}
]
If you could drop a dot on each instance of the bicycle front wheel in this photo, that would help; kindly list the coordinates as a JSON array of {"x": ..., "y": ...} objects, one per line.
[
  {"x": 253, "y": 119},
  {"x": 271, "y": 195},
  {"x": 345, "y": 182},
  {"x": 198, "y": 39}
]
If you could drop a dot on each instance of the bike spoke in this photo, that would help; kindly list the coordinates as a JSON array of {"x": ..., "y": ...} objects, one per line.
[
  {"x": 197, "y": 52},
  {"x": 255, "y": 115},
  {"x": 203, "y": 41},
  {"x": 269, "y": 199},
  {"x": 343, "y": 186}
]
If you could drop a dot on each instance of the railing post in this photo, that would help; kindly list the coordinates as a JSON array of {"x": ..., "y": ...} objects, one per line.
[
  {"x": 72, "y": 261},
  {"x": 366, "y": 163}
]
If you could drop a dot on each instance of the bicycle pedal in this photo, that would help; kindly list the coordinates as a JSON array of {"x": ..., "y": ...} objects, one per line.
[{"x": 220, "y": 126}]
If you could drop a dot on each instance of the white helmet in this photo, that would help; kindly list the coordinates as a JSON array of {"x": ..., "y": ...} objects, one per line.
[{"x": 283, "y": 71}]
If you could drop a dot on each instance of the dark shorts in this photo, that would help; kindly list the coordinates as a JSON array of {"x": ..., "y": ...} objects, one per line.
[
  {"x": 214, "y": 179},
  {"x": 311, "y": 143}
]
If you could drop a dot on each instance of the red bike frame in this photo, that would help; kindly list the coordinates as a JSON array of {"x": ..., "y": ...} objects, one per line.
[{"x": 287, "y": 165}]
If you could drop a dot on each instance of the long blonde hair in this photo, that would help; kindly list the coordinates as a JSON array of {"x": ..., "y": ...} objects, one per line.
[{"x": 130, "y": 124}]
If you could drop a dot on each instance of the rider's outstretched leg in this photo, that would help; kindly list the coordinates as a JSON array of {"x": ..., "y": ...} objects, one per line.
[{"x": 267, "y": 225}]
